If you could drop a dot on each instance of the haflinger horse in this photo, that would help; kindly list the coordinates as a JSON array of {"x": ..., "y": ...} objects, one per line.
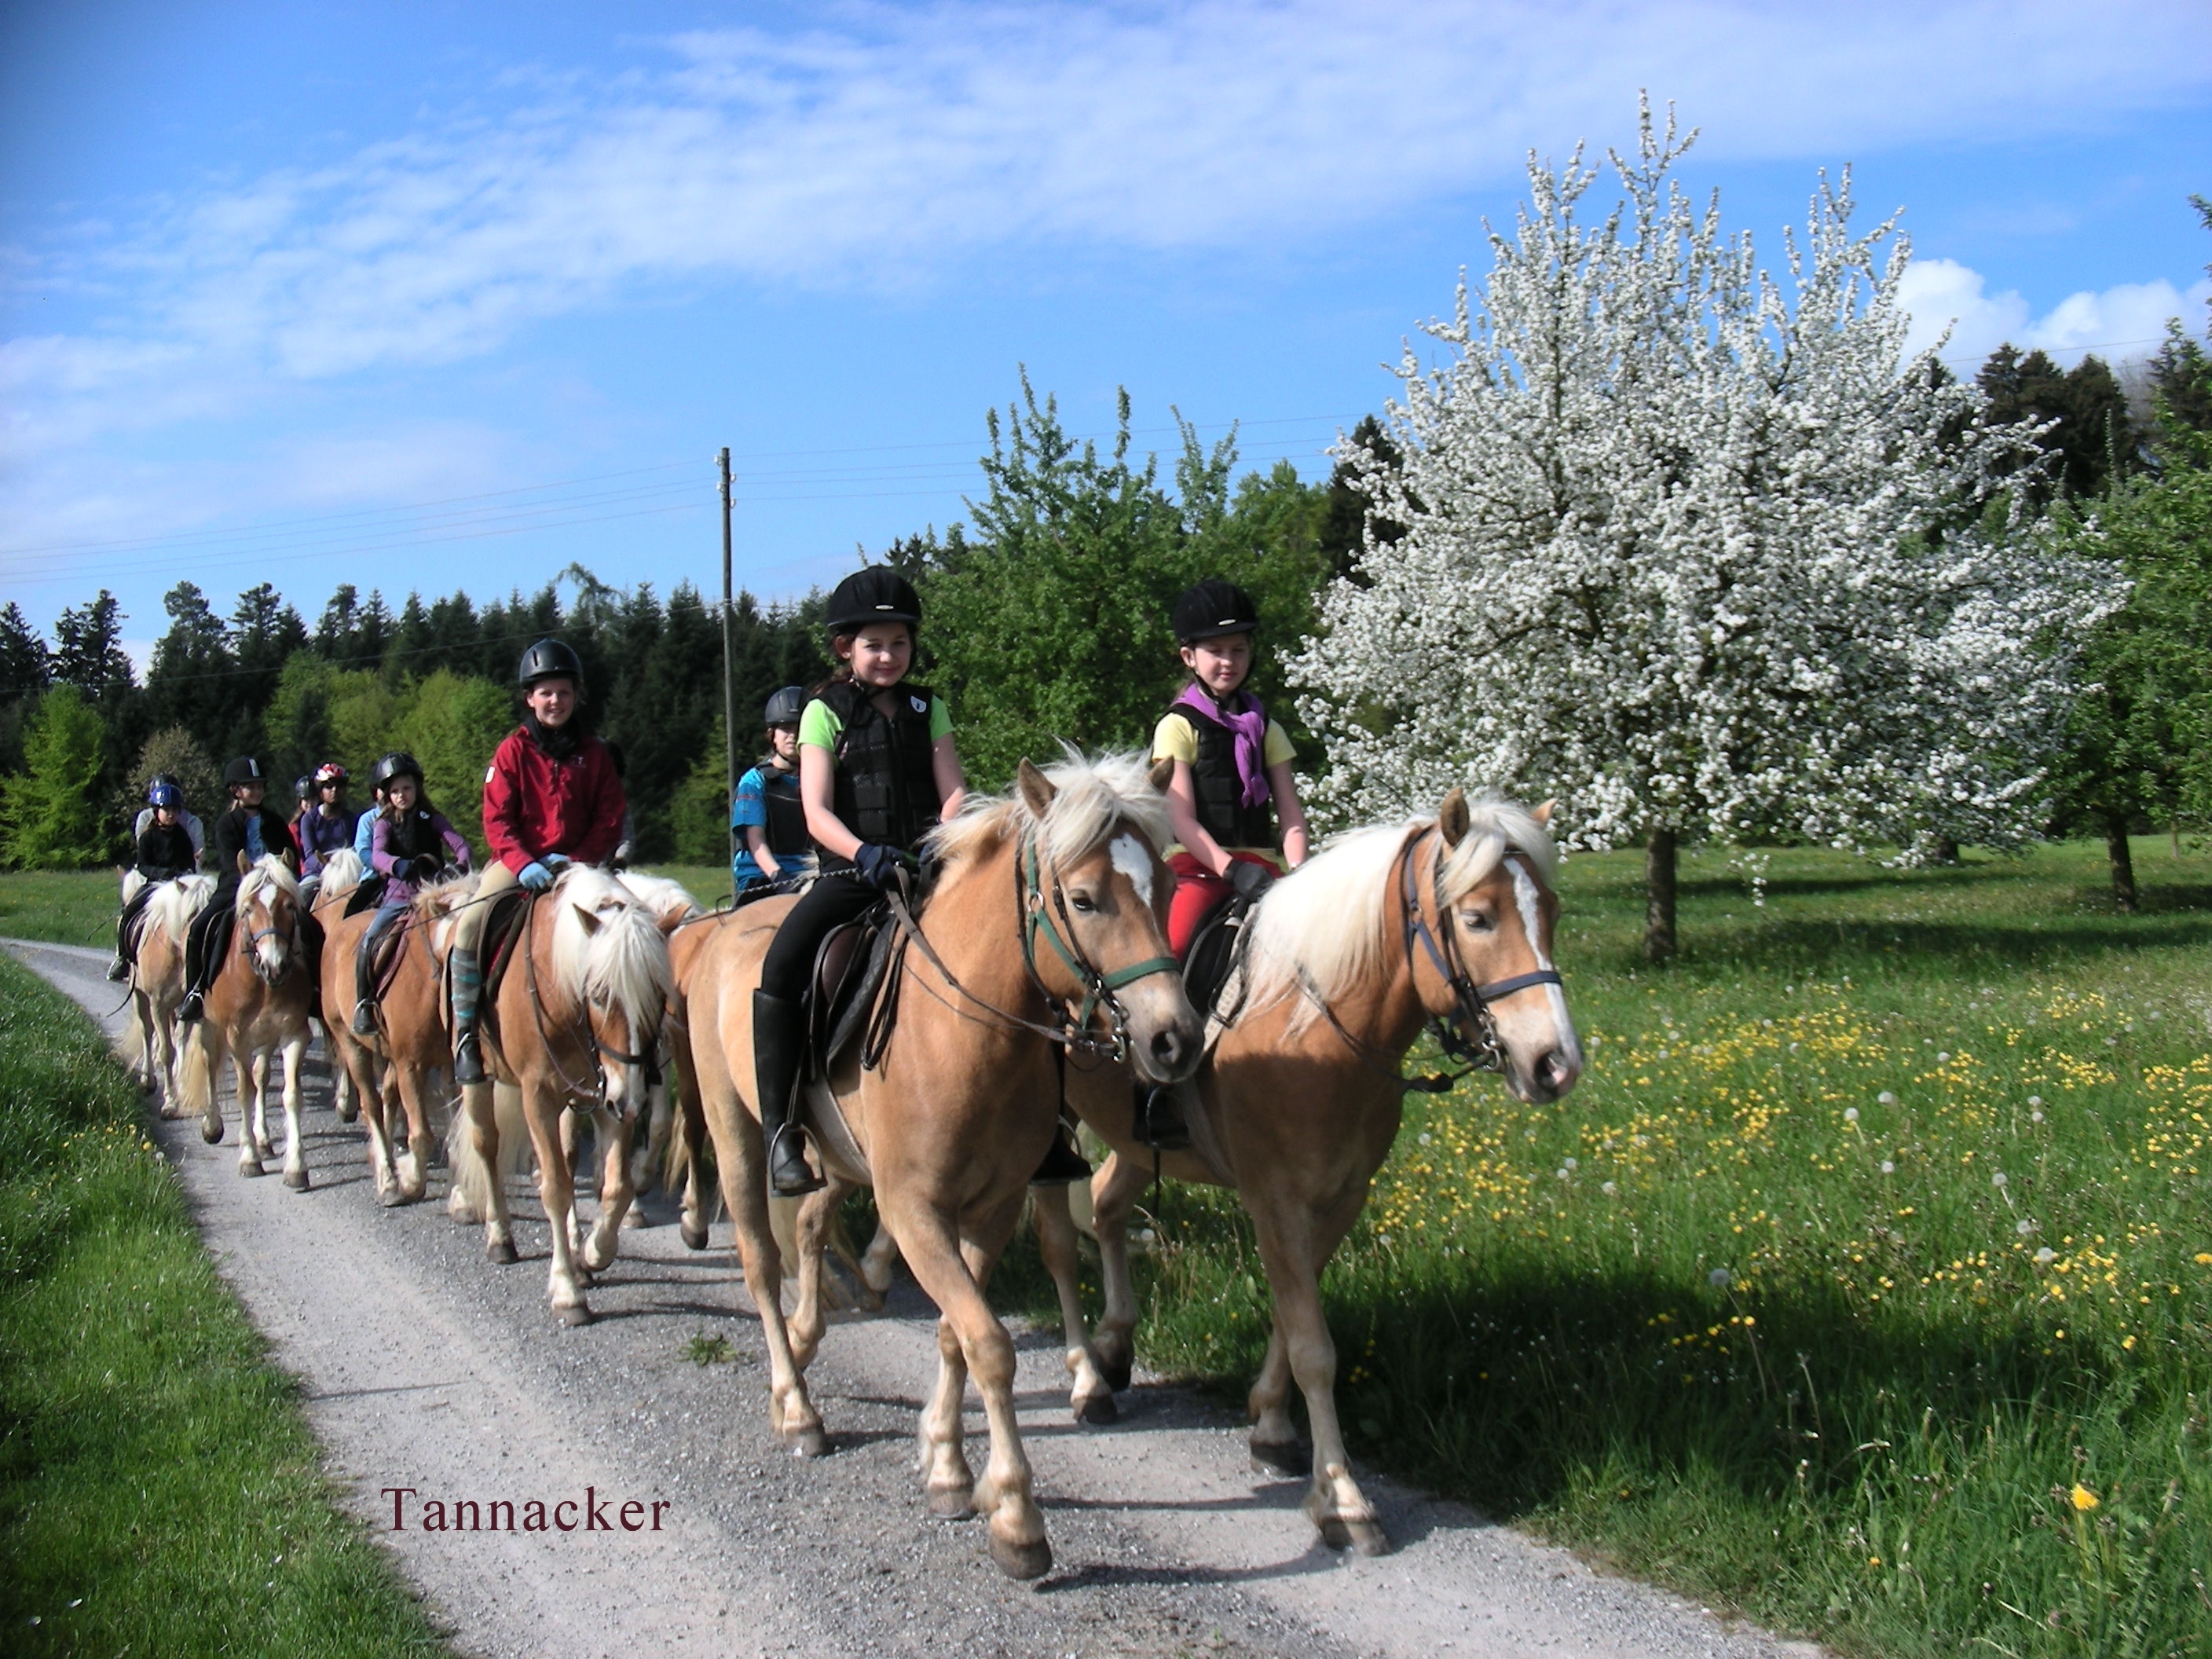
[
  {"x": 257, "y": 1007},
  {"x": 574, "y": 1024},
  {"x": 403, "y": 1066},
  {"x": 1050, "y": 900},
  {"x": 1446, "y": 921},
  {"x": 152, "y": 1045}
]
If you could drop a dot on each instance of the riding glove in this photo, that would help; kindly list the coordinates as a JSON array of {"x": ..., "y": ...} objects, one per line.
[
  {"x": 877, "y": 864},
  {"x": 1247, "y": 881},
  {"x": 534, "y": 876},
  {"x": 427, "y": 865},
  {"x": 556, "y": 861}
]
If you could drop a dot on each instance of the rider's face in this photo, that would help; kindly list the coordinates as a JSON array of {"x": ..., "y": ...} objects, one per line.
[
  {"x": 1219, "y": 665},
  {"x": 552, "y": 701},
  {"x": 784, "y": 740},
  {"x": 400, "y": 792},
  {"x": 328, "y": 793},
  {"x": 881, "y": 654},
  {"x": 165, "y": 816},
  {"x": 248, "y": 794}
]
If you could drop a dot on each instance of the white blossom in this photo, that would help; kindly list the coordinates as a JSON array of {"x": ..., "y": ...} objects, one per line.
[{"x": 1694, "y": 548}]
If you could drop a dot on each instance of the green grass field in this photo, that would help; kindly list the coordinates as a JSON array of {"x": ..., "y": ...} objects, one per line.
[
  {"x": 1865, "y": 1284},
  {"x": 160, "y": 1493}
]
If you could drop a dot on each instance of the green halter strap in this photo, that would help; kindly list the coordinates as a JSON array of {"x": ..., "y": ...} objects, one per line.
[{"x": 1099, "y": 985}]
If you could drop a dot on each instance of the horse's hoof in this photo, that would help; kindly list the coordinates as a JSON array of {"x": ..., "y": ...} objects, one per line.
[
  {"x": 584, "y": 1276},
  {"x": 414, "y": 1194},
  {"x": 951, "y": 1503},
  {"x": 572, "y": 1317},
  {"x": 251, "y": 1169},
  {"x": 1368, "y": 1537},
  {"x": 1116, "y": 1372},
  {"x": 264, "y": 1150},
  {"x": 808, "y": 1443},
  {"x": 695, "y": 1239},
  {"x": 210, "y": 1133},
  {"x": 1284, "y": 1458},
  {"x": 1021, "y": 1561},
  {"x": 1098, "y": 1410},
  {"x": 501, "y": 1250},
  {"x": 634, "y": 1216},
  {"x": 348, "y": 1112},
  {"x": 296, "y": 1180}
]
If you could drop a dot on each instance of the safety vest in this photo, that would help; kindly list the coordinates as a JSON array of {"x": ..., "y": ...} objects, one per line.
[
  {"x": 1220, "y": 792},
  {"x": 787, "y": 813},
  {"x": 887, "y": 786}
]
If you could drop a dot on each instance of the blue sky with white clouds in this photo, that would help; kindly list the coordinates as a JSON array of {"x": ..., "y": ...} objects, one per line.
[{"x": 446, "y": 295}]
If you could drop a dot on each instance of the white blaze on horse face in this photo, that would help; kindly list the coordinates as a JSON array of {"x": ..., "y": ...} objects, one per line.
[
  {"x": 1133, "y": 860},
  {"x": 1525, "y": 898}
]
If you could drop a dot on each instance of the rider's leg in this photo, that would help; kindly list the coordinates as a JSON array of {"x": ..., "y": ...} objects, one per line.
[
  {"x": 364, "y": 975},
  {"x": 468, "y": 972},
  {"x": 202, "y": 952},
  {"x": 779, "y": 1021}
]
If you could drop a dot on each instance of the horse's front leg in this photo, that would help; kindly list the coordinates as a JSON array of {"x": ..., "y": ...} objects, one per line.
[
  {"x": 816, "y": 1216},
  {"x": 247, "y": 1074},
  {"x": 943, "y": 1461},
  {"x": 615, "y": 1190},
  {"x": 557, "y": 1191},
  {"x": 411, "y": 1174},
  {"x": 479, "y": 1189},
  {"x": 1090, "y": 1399},
  {"x": 295, "y": 1144},
  {"x": 649, "y": 1144},
  {"x": 362, "y": 1068},
  {"x": 1113, "y": 1193},
  {"x": 262, "y": 1147}
]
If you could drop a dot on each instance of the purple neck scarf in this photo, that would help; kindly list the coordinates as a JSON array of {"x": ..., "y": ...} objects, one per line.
[{"x": 1246, "y": 721}]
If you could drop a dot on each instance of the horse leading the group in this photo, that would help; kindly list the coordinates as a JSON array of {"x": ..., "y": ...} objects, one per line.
[{"x": 1049, "y": 900}]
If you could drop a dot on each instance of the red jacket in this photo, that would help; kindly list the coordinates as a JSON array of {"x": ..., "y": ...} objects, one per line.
[{"x": 534, "y": 805}]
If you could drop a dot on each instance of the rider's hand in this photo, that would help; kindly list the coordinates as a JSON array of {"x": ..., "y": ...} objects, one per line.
[
  {"x": 427, "y": 865},
  {"x": 878, "y": 865},
  {"x": 534, "y": 876},
  {"x": 1248, "y": 880},
  {"x": 555, "y": 861}
]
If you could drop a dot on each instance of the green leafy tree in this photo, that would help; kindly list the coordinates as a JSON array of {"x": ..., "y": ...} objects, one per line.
[
  {"x": 174, "y": 751},
  {"x": 2089, "y": 438},
  {"x": 50, "y": 813},
  {"x": 699, "y": 809},
  {"x": 452, "y": 724},
  {"x": 363, "y": 716}
]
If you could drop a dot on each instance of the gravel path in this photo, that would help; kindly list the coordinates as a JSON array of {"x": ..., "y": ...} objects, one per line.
[{"x": 424, "y": 1366}]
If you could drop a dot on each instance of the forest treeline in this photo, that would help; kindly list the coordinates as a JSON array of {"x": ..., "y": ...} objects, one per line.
[{"x": 1048, "y": 622}]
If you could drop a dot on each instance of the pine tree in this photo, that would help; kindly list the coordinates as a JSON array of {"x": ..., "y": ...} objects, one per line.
[
  {"x": 88, "y": 650},
  {"x": 25, "y": 665},
  {"x": 2089, "y": 438},
  {"x": 1684, "y": 548},
  {"x": 49, "y": 814}
]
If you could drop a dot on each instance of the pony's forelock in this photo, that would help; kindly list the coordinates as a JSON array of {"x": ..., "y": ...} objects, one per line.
[
  {"x": 1092, "y": 798},
  {"x": 342, "y": 871},
  {"x": 621, "y": 963},
  {"x": 270, "y": 871}
]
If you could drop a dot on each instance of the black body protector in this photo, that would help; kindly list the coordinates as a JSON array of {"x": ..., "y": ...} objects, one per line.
[
  {"x": 415, "y": 833},
  {"x": 1219, "y": 792},
  {"x": 787, "y": 814},
  {"x": 887, "y": 786}
]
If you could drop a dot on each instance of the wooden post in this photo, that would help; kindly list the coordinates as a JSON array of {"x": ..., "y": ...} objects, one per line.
[{"x": 729, "y": 657}]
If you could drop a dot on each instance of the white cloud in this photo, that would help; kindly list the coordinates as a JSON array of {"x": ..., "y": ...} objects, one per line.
[{"x": 2120, "y": 324}]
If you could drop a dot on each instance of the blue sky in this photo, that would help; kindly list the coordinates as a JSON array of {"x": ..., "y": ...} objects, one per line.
[{"x": 441, "y": 295}]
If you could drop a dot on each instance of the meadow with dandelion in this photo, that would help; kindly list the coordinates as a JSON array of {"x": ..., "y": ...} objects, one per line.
[{"x": 1864, "y": 1285}]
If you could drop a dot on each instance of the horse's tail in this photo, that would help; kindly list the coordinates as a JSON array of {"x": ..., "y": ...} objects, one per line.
[
  {"x": 132, "y": 1045},
  {"x": 473, "y": 1179},
  {"x": 195, "y": 1071}
]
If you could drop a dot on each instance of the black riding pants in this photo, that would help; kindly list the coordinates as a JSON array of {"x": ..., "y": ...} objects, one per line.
[
  {"x": 837, "y": 898},
  {"x": 210, "y": 936},
  {"x": 126, "y": 947}
]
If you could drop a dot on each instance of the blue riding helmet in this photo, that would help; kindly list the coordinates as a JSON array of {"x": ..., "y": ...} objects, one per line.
[{"x": 166, "y": 794}]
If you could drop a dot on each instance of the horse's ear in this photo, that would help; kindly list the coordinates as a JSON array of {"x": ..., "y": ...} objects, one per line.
[
  {"x": 1452, "y": 817},
  {"x": 1162, "y": 773},
  {"x": 1037, "y": 789},
  {"x": 591, "y": 919},
  {"x": 1543, "y": 814}
]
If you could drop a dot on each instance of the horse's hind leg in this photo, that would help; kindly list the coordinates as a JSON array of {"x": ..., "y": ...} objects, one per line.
[
  {"x": 1090, "y": 1400},
  {"x": 945, "y": 1476},
  {"x": 616, "y": 1191},
  {"x": 295, "y": 1144},
  {"x": 478, "y": 1186},
  {"x": 1274, "y": 1442},
  {"x": 1114, "y": 1192},
  {"x": 877, "y": 1262},
  {"x": 816, "y": 1216},
  {"x": 360, "y": 1067},
  {"x": 411, "y": 1173}
]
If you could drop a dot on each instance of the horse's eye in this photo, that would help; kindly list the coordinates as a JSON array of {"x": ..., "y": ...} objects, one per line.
[
  {"x": 1082, "y": 901},
  {"x": 1477, "y": 922}
]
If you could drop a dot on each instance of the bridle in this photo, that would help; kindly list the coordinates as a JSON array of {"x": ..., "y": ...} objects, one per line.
[
  {"x": 640, "y": 1063},
  {"x": 248, "y": 946},
  {"x": 1471, "y": 1002}
]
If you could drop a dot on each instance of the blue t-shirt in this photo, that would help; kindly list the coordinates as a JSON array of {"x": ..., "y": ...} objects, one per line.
[{"x": 748, "y": 807}]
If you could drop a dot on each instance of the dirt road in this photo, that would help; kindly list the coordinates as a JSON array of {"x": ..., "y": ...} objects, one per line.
[{"x": 424, "y": 1367}]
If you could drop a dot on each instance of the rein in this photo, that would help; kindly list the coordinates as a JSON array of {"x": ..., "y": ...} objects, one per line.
[{"x": 1473, "y": 1001}]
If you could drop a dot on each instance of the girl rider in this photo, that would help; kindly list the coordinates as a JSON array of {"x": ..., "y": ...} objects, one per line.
[
  {"x": 193, "y": 826},
  {"x": 410, "y": 843},
  {"x": 243, "y": 837},
  {"x": 164, "y": 852},
  {"x": 768, "y": 820},
  {"x": 327, "y": 825},
  {"x": 550, "y": 796}
]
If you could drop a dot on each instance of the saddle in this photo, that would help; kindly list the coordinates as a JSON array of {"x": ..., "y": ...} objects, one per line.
[
  {"x": 842, "y": 994},
  {"x": 1217, "y": 950},
  {"x": 386, "y": 951},
  {"x": 503, "y": 930}
]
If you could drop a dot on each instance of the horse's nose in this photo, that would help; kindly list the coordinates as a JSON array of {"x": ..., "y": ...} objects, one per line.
[
  {"x": 1171, "y": 1049},
  {"x": 1557, "y": 1073}
]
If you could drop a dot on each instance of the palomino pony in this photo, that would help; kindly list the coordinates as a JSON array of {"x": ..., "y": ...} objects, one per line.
[
  {"x": 575, "y": 1022},
  {"x": 1446, "y": 921},
  {"x": 152, "y": 1046},
  {"x": 1050, "y": 898},
  {"x": 399, "y": 1067},
  {"x": 257, "y": 1007}
]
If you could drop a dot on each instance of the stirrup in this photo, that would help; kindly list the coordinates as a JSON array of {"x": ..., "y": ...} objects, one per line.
[
  {"x": 789, "y": 1175},
  {"x": 118, "y": 971},
  {"x": 364, "y": 1018},
  {"x": 1062, "y": 1165},
  {"x": 1159, "y": 1121},
  {"x": 468, "y": 1060},
  {"x": 192, "y": 1009}
]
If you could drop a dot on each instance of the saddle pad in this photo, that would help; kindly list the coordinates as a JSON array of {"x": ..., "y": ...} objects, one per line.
[
  {"x": 502, "y": 931},
  {"x": 391, "y": 951},
  {"x": 1214, "y": 954},
  {"x": 367, "y": 893},
  {"x": 848, "y": 971}
]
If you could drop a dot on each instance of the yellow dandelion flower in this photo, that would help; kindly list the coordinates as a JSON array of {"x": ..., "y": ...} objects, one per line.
[{"x": 2084, "y": 1499}]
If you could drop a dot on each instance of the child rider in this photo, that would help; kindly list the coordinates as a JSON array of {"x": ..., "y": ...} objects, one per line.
[
  {"x": 768, "y": 820},
  {"x": 244, "y": 835},
  {"x": 410, "y": 843}
]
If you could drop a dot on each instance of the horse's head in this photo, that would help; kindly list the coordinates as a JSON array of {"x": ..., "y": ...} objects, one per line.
[
  {"x": 1483, "y": 882},
  {"x": 612, "y": 958},
  {"x": 1097, "y": 899},
  {"x": 268, "y": 918}
]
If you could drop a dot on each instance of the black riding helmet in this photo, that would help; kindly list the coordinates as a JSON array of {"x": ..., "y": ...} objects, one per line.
[
  {"x": 396, "y": 765},
  {"x": 877, "y": 594},
  {"x": 784, "y": 708},
  {"x": 244, "y": 770},
  {"x": 1212, "y": 609},
  {"x": 304, "y": 787},
  {"x": 549, "y": 660}
]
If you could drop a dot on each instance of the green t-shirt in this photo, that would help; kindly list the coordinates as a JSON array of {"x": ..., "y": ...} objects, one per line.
[{"x": 818, "y": 725}]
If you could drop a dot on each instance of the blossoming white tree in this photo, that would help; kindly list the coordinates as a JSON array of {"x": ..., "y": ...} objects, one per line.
[{"x": 1695, "y": 549}]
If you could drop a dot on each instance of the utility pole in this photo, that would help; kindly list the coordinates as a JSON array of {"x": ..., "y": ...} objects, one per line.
[{"x": 729, "y": 657}]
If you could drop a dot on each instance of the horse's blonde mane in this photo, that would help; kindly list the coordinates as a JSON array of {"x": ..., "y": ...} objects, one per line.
[
  {"x": 669, "y": 900},
  {"x": 176, "y": 903},
  {"x": 1092, "y": 797},
  {"x": 270, "y": 871},
  {"x": 342, "y": 872},
  {"x": 623, "y": 962},
  {"x": 1325, "y": 923}
]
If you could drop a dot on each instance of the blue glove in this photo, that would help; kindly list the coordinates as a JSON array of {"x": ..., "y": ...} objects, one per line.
[
  {"x": 536, "y": 876},
  {"x": 555, "y": 860},
  {"x": 877, "y": 864}
]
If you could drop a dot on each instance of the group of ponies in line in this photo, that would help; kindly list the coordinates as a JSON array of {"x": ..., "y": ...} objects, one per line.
[{"x": 1035, "y": 979}]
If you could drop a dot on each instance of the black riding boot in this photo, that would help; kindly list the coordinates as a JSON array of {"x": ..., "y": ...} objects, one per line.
[
  {"x": 120, "y": 969},
  {"x": 196, "y": 955},
  {"x": 468, "y": 988},
  {"x": 779, "y": 1055},
  {"x": 1159, "y": 1122},
  {"x": 364, "y": 993},
  {"x": 1062, "y": 1163}
]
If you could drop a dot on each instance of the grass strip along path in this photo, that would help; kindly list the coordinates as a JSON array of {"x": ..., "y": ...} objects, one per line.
[
  {"x": 1865, "y": 1284},
  {"x": 159, "y": 1491}
]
